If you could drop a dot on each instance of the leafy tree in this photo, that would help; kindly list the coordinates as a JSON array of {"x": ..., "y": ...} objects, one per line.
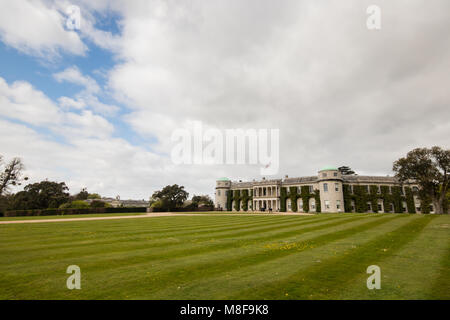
[
  {"x": 10, "y": 174},
  {"x": 170, "y": 197},
  {"x": 94, "y": 196},
  {"x": 82, "y": 195},
  {"x": 98, "y": 204},
  {"x": 79, "y": 204},
  {"x": 41, "y": 195},
  {"x": 345, "y": 170},
  {"x": 430, "y": 168},
  {"x": 205, "y": 200}
]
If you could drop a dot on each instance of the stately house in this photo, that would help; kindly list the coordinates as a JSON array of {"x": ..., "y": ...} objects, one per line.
[{"x": 328, "y": 191}]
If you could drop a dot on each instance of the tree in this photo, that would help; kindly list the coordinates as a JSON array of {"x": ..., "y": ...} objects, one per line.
[
  {"x": 10, "y": 174},
  {"x": 345, "y": 170},
  {"x": 430, "y": 168},
  {"x": 98, "y": 204},
  {"x": 41, "y": 195},
  {"x": 82, "y": 195},
  {"x": 170, "y": 197},
  {"x": 94, "y": 196},
  {"x": 205, "y": 200}
]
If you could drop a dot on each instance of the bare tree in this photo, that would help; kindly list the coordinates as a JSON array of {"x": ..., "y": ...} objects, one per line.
[{"x": 10, "y": 174}]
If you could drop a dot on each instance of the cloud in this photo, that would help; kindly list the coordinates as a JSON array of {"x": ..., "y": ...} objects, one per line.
[
  {"x": 21, "y": 101},
  {"x": 336, "y": 90},
  {"x": 86, "y": 97},
  {"x": 339, "y": 93},
  {"x": 36, "y": 27},
  {"x": 73, "y": 75}
]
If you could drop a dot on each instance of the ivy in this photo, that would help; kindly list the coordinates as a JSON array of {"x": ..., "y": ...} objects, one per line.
[
  {"x": 410, "y": 200},
  {"x": 347, "y": 198},
  {"x": 317, "y": 199},
  {"x": 293, "y": 196},
  {"x": 229, "y": 200},
  {"x": 237, "y": 200},
  {"x": 389, "y": 196},
  {"x": 283, "y": 197},
  {"x": 396, "y": 198},
  {"x": 245, "y": 199},
  {"x": 373, "y": 196},
  {"x": 361, "y": 198}
]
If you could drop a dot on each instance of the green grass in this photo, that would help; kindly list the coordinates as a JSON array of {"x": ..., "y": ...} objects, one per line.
[
  {"x": 229, "y": 257},
  {"x": 71, "y": 216}
]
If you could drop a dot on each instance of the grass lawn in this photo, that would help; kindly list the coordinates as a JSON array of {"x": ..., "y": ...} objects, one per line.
[
  {"x": 323, "y": 256},
  {"x": 71, "y": 216}
]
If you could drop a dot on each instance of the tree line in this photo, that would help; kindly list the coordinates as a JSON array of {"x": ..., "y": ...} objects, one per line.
[{"x": 51, "y": 194}]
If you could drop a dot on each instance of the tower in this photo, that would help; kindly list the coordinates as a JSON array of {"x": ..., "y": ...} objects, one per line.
[
  {"x": 330, "y": 186},
  {"x": 223, "y": 186}
]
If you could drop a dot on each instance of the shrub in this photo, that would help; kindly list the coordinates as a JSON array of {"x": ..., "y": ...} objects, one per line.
[
  {"x": 70, "y": 211},
  {"x": 98, "y": 204}
]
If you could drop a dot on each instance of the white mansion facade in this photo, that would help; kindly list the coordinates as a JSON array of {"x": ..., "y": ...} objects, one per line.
[{"x": 328, "y": 191}]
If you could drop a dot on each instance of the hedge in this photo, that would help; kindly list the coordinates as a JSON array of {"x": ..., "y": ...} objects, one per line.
[{"x": 54, "y": 212}]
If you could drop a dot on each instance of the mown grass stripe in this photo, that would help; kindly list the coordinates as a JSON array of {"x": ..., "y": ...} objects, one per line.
[
  {"x": 130, "y": 238},
  {"x": 441, "y": 285},
  {"x": 179, "y": 250},
  {"x": 207, "y": 268},
  {"x": 332, "y": 275}
]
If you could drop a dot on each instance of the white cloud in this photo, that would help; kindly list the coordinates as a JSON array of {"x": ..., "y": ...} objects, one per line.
[
  {"x": 74, "y": 75},
  {"x": 86, "y": 97},
  {"x": 36, "y": 27},
  {"x": 67, "y": 103},
  {"x": 336, "y": 90},
  {"x": 339, "y": 93},
  {"x": 20, "y": 101}
]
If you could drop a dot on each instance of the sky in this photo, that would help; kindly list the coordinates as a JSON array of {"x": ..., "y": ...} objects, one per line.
[{"x": 96, "y": 106}]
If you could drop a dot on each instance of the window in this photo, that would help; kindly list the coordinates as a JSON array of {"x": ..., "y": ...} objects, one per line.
[
  {"x": 324, "y": 174},
  {"x": 218, "y": 192},
  {"x": 418, "y": 209},
  {"x": 369, "y": 207},
  {"x": 335, "y": 174},
  {"x": 327, "y": 204},
  {"x": 415, "y": 189},
  {"x": 336, "y": 186},
  {"x": 379, "y": 207},
  {"x": 325, "y": 187},
  {"x": 338, "y": 204},
  {"x": 310, "y": 189}
]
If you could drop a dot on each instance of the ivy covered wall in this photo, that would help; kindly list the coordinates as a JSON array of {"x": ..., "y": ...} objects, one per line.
[
  {"x": 239, "y": 196},
  {"x": 293, "y": 195},
  {"x": 391, "y": 197}
]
